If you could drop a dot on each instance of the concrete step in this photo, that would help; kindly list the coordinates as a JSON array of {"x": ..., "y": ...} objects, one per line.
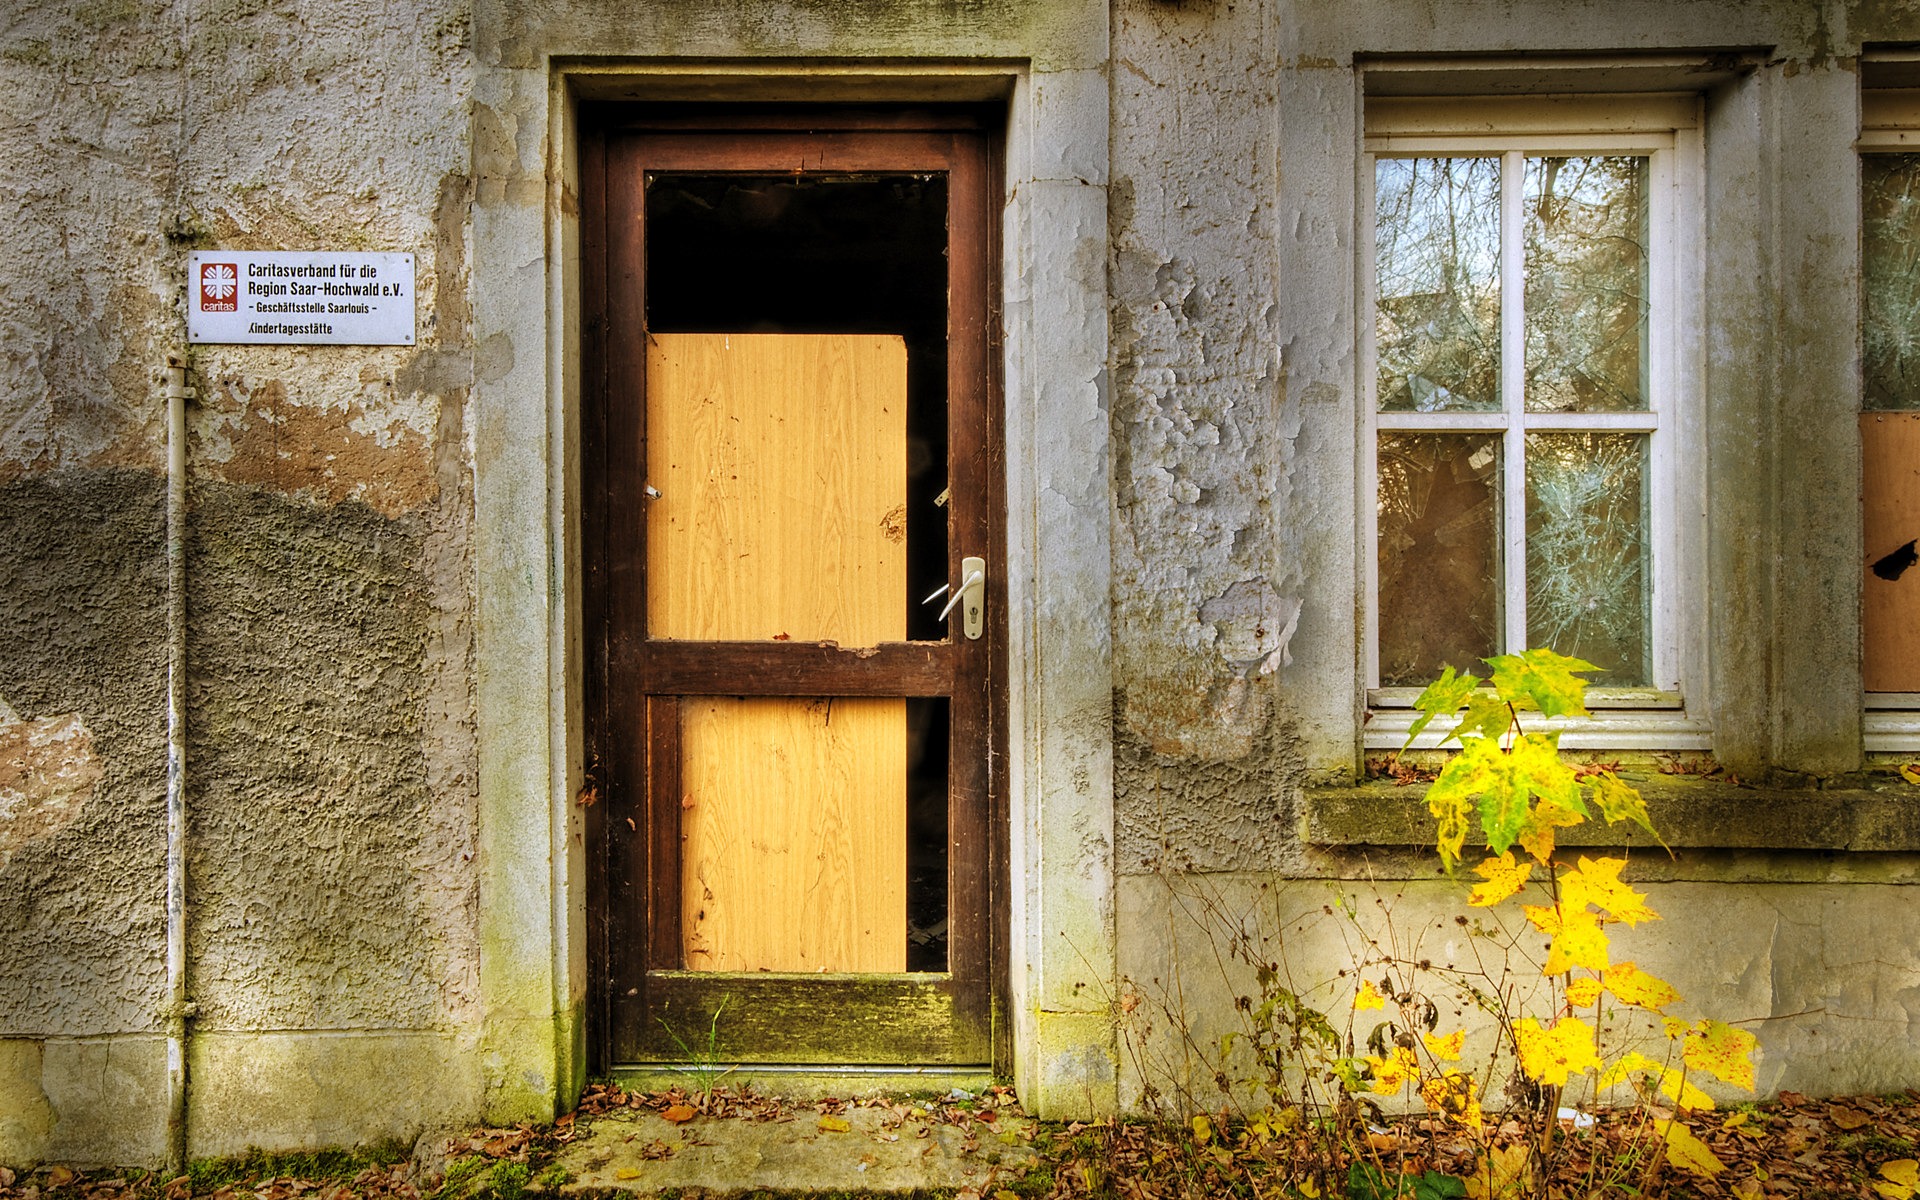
[{"x": 885, "y": 1148}]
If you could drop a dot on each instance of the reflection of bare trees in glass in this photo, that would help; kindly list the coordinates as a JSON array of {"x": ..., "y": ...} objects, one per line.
[
  {"x": 1890, "y": 197},
  {"x": 1587, "y": 591},
  {"x": 1440, "y": 578},
  {"x": 1446, "y": 573},
  {"x": 1586, "y": 270},
  {"x": 1437, "y": 257}
]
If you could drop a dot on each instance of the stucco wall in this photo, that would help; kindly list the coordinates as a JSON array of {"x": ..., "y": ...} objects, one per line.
[
  {"x": 387, "y": 881},
  {"x": 331, "y": 755}
]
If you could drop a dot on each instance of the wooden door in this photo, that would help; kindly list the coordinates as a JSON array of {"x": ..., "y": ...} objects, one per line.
[{"x": 791, "y": 438}]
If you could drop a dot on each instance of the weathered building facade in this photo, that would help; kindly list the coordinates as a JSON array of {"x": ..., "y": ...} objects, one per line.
[{"x": 391, "y": 602}]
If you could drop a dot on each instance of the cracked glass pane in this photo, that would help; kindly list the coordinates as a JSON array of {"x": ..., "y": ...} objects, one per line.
[
  {"x": 1586, "y": 270},
  {"x": 1890, "y": 254},
  {"x": 1587, "y": 571},
  {"x": 1440, "y": 577},
  {"x": 1437, "y": 263}
]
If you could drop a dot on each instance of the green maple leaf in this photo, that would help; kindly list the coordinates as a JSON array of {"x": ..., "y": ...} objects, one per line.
[
  {"x": 1442, "y": 697},
  {"x": 1537, "y": 761},
  {"x": 1504, "y": 804},
  {"x": 1543, "y": 680},
  {"x": 1619, "y": 801},
  {"x": 1487, "y": 715},
  {"x": 1450, "y": 797}
]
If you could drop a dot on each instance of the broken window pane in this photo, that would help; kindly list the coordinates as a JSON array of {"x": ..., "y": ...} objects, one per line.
[
  {"x": 1586, "y": 269},
  {"x": 1440, "y": 576},
  {"x": 1587, "y": 576},
  {"x": 1437, "y": 263},
  {"x": 1890, "y": 266}
]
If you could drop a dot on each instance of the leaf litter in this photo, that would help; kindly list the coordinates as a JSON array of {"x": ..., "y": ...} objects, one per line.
[{"x": 1791, "y": 1148}]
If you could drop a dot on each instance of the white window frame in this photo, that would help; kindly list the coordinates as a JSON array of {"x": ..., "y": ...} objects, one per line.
[
  {"x": 1666, "y": 129},
  {"x": 1889, "y": 124}
]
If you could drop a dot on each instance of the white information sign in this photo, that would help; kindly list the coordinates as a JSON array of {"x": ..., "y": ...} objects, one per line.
[{"x": 297, "y": 298}]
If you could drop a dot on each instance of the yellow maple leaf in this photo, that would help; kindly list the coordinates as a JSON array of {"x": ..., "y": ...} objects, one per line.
[
  {"x": 1394, "y": 1072},
  {"x": 1673, "y": 1084},
  {"x": 1453, "y": 1095},
  {"x": 1584, "y": 992},
  {"x": 1910, "y": 772},
  {"x": 1544, "y": 917},
  {"x": 1368, "y": 997},
  {"x": 1536, "y": 835},
  {"x": 1632, "y": 1062},
  {"x": 1636, "y": 987},
  {"x": 1578, "y": 940},
  {"x": 1721, "y": 1051},
  {"x": 1502, "y": 1174},
  {"x": 1596, "y": 881},
  {"x": 1675, "y": 1027},
  {"x": 1549, "y": 1056},
  {"x": 1448, "y": 1048},
  {"x": 1899, "y": 1179},
  {"x": 1503, "y": 878},
  {"x": 1686, "y": 1151}
]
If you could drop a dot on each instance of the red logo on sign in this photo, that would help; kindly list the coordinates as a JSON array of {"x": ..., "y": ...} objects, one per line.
[{"x": 219, "y": 287}]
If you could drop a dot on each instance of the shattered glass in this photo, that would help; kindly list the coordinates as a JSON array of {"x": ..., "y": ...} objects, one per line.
[
  {"x": 1585, "y": 229},
  {"x": 1588, "y": 583},
  {"x": 1440, "y": 570},
  {"x": 1437, "y": 263},
  {"x": 1890, "y": 266}
]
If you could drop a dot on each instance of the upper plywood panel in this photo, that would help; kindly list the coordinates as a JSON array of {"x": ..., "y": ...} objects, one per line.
[{"x": 781, "y": 465}]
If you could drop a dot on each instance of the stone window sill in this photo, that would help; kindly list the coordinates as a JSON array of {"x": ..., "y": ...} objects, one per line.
[{"x": 1690, "y": 813}]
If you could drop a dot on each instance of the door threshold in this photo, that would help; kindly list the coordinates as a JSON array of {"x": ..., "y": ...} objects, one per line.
[{"x": 806, "y": 1081}]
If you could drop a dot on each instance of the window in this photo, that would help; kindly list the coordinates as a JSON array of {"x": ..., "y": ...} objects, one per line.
[
  {"x": 1890, "y": 416},
  {"x": 1529, "y": 276}
]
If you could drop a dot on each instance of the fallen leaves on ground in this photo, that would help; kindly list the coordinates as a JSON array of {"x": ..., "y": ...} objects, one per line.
[
  {"x": 1790, "y": 1149},
  {"x": 1793, "y": 1148}
]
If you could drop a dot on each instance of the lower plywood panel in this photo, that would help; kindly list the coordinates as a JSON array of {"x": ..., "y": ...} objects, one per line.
[{"x": 794, "y": 818}]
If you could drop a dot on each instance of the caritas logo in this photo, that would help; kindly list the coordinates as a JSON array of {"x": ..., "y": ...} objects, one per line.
[{"x": 219, "y": 287}]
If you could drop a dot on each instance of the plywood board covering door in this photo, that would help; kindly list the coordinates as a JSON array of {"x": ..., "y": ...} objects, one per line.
[
  {"x": 1890, "y": 585},
  {"x": 780, "y": 463}
]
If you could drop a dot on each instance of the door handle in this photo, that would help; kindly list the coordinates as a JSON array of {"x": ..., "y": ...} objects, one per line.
[{"x": 971, "y": 596}]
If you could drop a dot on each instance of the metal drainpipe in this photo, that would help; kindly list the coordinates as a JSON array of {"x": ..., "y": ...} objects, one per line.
[{"x": 179, "y": 1010}]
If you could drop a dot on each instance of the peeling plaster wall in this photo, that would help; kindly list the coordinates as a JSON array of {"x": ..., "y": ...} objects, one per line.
[
  {"x": 1205, "y": 603},
  {"x": 331, "y": 751},
  {"x": 1200, "y": 455}
]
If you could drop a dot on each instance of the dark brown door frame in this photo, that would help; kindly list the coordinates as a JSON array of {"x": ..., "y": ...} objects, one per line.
[{"x": 634, "y": 684}]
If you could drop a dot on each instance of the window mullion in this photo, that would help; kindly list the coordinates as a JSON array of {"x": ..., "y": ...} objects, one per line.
[{"x": 1513, "y": 387}]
